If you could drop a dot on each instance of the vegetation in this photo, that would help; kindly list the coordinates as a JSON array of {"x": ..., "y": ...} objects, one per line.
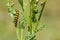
[{"x": 33, "y": 23}]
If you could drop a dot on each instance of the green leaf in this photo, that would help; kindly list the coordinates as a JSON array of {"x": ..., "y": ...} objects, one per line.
[
  {"x": 21, "y": 3},
  {"x": 43, "y": 5}
]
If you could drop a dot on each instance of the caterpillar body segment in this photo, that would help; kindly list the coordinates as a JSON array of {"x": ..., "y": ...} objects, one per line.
[{"x": 16, "y": 17}]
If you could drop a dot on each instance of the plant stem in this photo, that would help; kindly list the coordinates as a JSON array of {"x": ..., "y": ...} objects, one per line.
[
  {"x": 40, "y": 14},
  {"x": 19, "y": 33},
  {"x": 31, "y": 17}
]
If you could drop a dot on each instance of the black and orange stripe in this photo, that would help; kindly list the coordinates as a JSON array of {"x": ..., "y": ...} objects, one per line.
[{"x": 16, "y": 17}]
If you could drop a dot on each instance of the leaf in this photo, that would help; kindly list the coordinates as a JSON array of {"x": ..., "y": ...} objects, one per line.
[
  {"x": 43, "y": 5},
  {"x": 40, "y": 28},
  {"x": 21, "y": 3}
]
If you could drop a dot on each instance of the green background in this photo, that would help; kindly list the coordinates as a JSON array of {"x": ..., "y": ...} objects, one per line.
[{"x": 50, "y": 17}]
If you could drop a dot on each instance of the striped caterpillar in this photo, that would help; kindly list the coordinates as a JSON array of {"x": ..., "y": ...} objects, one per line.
[{"x": 16, "y": 17}]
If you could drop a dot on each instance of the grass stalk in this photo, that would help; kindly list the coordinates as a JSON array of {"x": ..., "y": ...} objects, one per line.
[
  {"x": 19, "y": 33},
  {"x": 31, "y": 11},
  {"x": 43, "y": 5}
]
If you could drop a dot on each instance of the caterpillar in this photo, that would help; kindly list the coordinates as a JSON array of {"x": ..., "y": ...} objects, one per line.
[{"x": 16, "y": 17}]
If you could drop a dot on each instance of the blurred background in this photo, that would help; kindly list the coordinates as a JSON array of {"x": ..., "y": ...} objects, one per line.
[{"x": 50, "y": 17}]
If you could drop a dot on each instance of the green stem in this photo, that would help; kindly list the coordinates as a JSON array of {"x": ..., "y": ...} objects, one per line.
[
  {"x": 19, "y": 33},
  {"x": 31, "y": 18},
  {"x": 40, "y": 14}
]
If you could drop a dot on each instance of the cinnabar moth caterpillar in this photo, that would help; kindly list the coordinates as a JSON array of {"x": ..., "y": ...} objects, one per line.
[{"x": 16, "y": 17}]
